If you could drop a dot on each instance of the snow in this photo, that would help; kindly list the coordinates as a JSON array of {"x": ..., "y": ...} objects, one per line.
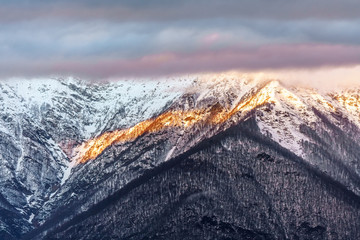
[
  {"x": 4, "y": 130},
  {"x": 168, "y": 156},
  {"x": 67, "y": 172},
  {"x": 293, "y": 107},
  {"x": 28, "y": 198},
  {"x": 19, "y": 161},
  {"x": 282, "y": 123},
  {"x": 20, "y": 210},
  {"x": 89, "y": 129},
  {"x": 31, "y": 218},
  {"x": 284, "y": 120}
]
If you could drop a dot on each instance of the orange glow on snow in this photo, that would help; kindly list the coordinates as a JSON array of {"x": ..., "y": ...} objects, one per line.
[
  {"x": 177, "y": 118},
  {"x": 350, "y": 101}
]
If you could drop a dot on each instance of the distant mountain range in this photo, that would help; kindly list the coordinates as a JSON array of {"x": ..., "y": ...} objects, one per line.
[{"x": 216, "y": 157}]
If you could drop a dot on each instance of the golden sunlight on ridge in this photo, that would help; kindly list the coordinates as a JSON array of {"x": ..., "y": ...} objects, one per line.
[
  {"x": 176, "y": 118},
  {"x": 350, "y": 101}
]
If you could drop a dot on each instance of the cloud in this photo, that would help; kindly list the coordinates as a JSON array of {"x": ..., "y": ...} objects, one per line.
[
  {"x": 296, "y": 56},
  {"x": 327, "y": 79},
  {"x": 98, "y": 39},
  {"x": 139, "y": 10},
  {"x": 143, "y": 38}
]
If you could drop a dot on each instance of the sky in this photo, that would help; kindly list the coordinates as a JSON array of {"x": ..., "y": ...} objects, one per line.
[{"x": 108, "y": 39}]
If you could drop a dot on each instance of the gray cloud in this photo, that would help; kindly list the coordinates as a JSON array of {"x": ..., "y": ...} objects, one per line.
[
  {"x": 56, "y": 39},
  {"x": 139, "y": 10},
  {"x": 264, "y": 58},
  {"x": 104, "y": 38}
]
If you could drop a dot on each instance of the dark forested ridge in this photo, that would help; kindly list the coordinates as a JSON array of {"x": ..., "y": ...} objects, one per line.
[{"x": 256, "y": 190}]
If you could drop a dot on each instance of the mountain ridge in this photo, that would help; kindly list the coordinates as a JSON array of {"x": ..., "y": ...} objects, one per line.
[{"x": 318, "y": 129}]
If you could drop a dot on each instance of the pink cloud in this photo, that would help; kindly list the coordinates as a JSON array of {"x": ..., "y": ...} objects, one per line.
[
  {"x": 210, "y": 38},
  {"x": 262, "y": 58}
]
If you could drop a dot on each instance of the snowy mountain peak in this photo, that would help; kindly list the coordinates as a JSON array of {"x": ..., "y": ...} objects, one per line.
[
  {"x": 235, "y": 96},
  {"x": 50, "y": 129}
]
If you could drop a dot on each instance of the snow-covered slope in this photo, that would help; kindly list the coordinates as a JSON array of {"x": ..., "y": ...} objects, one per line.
[{"x": 42, "y": 120}]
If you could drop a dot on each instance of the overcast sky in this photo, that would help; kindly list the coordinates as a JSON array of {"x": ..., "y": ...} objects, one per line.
[{"x": 105, "y": 39}]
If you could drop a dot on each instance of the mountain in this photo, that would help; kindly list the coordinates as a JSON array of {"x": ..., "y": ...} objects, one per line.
[{"x": 221, "y": 156}]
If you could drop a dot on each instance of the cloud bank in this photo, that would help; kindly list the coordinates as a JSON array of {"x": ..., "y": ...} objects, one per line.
[{"x": 99, "y": 40}]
